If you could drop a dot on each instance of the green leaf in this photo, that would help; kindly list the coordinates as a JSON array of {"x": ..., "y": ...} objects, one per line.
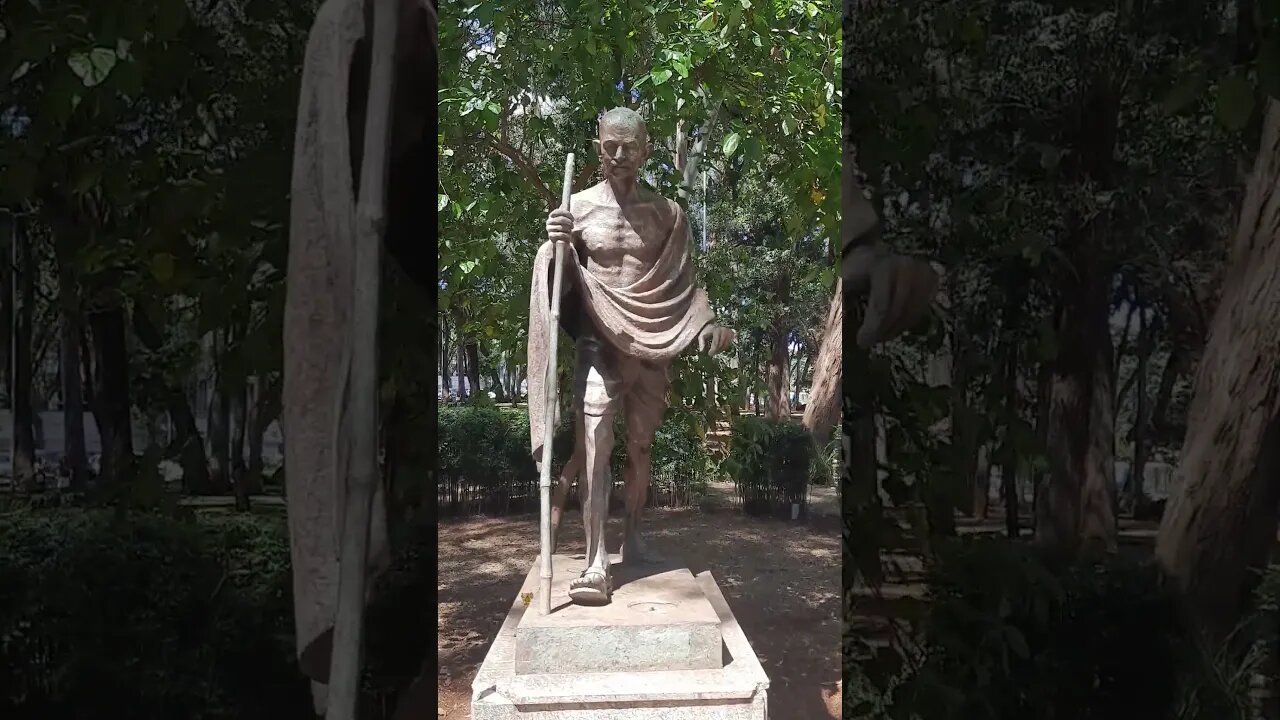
[
  {"x": 707, "y": 22},
  {"x": 812, "y": 9},
  {"x": 162, "y": 267},
  {"x": 466, "y": 266},
  {"x": 1185, "y": 93},
  {"x": 94, "y": 66},
  {"x": 788, "y": 126},
  {"x": 171, "y": 16},
  {"x": 442, "y": 201},
  {"x": 660, "y": 76},
  {"x": 731, "y": 144},
  {"x": 1235, "y": 103}
]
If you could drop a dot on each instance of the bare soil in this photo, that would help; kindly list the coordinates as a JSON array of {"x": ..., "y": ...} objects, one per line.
[{"x": 781, "y": 579}]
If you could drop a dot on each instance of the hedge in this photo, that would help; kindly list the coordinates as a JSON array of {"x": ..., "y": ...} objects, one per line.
[
  {"x": 486, "y": 467},
  {"x": 179, "y": 618}
]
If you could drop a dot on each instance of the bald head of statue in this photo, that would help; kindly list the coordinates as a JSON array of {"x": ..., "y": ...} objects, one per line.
[{"x": 623, "y": 145}]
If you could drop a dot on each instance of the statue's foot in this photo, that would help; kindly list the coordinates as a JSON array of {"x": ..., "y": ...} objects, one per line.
[
  {"x": 636, "y": 551},
  {"x": 592, "y": 588}
]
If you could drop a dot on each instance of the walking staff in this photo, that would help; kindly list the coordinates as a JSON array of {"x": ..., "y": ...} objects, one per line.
[{"x": 544, "y": 483}]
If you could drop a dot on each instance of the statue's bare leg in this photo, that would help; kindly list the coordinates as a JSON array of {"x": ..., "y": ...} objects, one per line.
[
  {"x": 645, "y": 406},
  {"x": 568, "y": 474},
  {"x": 593, "y": 586}
]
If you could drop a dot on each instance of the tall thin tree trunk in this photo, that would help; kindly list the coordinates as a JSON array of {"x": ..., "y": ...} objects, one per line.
[
  {"x": 445, "y": 378},
  {"x": 237, "y": 417},
  {"x": 1078, "y": 504},
  {"x": 75, "y": 453},
  {"x": 267, "y": 411},
  {"x": 24, "y": 442},
  {"x": 1220, "y": 523},
  {"x": 112, "y": 408},
  {"x": 1142, "y": 414},
  {"x": 982, "y": 483},
  {"x": 964, "y": 425},
  {"x": 473, "y": 366},
  {"x": 1009, "y": 466},
  {"x": 823, "y": 410},
  {"x": 219, "y": 417},
  {"x": 778, "y": 405}
]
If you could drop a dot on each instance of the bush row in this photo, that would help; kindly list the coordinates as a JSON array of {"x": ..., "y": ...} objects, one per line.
[
  {"x": 1010, "y": 632},
  {"x": 179, "y": 618},
  {"x": 486, "y": 467}
]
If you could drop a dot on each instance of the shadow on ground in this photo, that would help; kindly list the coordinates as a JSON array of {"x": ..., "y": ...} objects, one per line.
[{"x": 782, "y": 580}]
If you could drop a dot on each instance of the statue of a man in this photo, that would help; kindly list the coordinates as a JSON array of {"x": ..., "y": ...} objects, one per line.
[{"x": 631, "y": 304}]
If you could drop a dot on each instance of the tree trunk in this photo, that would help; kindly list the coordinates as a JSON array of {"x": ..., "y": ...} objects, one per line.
[
  {"x": 219, "y": 417},
  {"x": 778, "y": 405},
  {"x": 473, "y": 366},
  {"x": 24, "y": 442},
  {"x": 445, "y": 378},
  {"x": 9, "y": 229},
  {"x": 464, "y": 391},
  {"x": 75, "y": 454},
  {"x": 1177, "y": 364},
  {"x": 1078, "y": 504},
  {"x": 237, "y": 417},
  {"x": 1142, "y": 415},
  {"x": 982, "y": 483},
  {"x": 267, "y": 410},
  {"x": 186, "y": 443},
  {"x": 1009, "y": 464},
  {"x": 1220, "y": 523},
  {"x": 823, "y": 410},
  {"x": 111, "y": 394},
  {"x": 964, "y": 423},
  {"x": 189, "y": 445}
]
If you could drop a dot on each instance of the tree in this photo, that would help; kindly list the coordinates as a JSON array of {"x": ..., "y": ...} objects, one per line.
[
  {"x": 748, "y": 86},
  {"x": 1221, "y": 519}
]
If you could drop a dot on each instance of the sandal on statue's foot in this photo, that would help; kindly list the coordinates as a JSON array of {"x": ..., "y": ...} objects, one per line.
[{"x": 592, "y": 588}]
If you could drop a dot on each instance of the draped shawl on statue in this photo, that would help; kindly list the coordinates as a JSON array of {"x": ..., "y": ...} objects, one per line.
[
  {"x": 655, "y": 318},
  {"x": 317, "y": 336}
]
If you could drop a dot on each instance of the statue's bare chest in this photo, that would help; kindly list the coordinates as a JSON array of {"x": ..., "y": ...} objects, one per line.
[{"x": 611, "y": 235}]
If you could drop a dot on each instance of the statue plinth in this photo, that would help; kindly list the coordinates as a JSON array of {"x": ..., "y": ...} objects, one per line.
[
  {"x": 667, "y": 646},
  {"x": 658, "y": 619}
]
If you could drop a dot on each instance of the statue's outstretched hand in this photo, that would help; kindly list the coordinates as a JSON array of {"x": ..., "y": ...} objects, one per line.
[{"x": 714, "y": 339}]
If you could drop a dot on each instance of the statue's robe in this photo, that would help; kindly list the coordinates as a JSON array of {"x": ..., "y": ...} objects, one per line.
[
  {"x": 317, "y": 336},
  {"x": 654, "y": 318}
]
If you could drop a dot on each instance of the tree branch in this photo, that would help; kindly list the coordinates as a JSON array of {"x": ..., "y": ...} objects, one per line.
[{"x": 525, "y": 167}]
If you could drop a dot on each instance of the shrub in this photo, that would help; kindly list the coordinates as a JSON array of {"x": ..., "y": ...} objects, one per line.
[
  {"x": 184, "y": 619},
  {"x": 486, "y": 467},
  {"x": 1013, "y": 634},
  {"x": 168, "y": 618},
  {"x": 771, "y": 463}
]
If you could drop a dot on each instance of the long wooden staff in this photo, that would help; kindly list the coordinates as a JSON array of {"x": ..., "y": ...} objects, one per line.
[{"x": 548, "y": 425}]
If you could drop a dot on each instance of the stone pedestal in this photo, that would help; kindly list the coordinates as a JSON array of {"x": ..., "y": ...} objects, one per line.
[{"x": 667, "y": 646}]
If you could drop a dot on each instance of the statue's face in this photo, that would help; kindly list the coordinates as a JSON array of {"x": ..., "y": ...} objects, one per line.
[{"x": 623, "y": 148}]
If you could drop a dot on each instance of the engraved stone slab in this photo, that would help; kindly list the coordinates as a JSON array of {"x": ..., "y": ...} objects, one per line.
[{"x": 658, "y": 619}]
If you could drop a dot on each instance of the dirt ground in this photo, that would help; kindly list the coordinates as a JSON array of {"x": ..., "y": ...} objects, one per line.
[{"x": 781, "y": 579}]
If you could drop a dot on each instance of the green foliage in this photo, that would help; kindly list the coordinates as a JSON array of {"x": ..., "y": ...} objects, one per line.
[
  {"x": 181, "y": 618},
  {"x": 772, "y": 463},
  {"x": 1015, "y": 634},
  {"x": 522, "y": 85},
  {"x": 486, "y": 465},
  {"x": 168, "y": 618}
]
